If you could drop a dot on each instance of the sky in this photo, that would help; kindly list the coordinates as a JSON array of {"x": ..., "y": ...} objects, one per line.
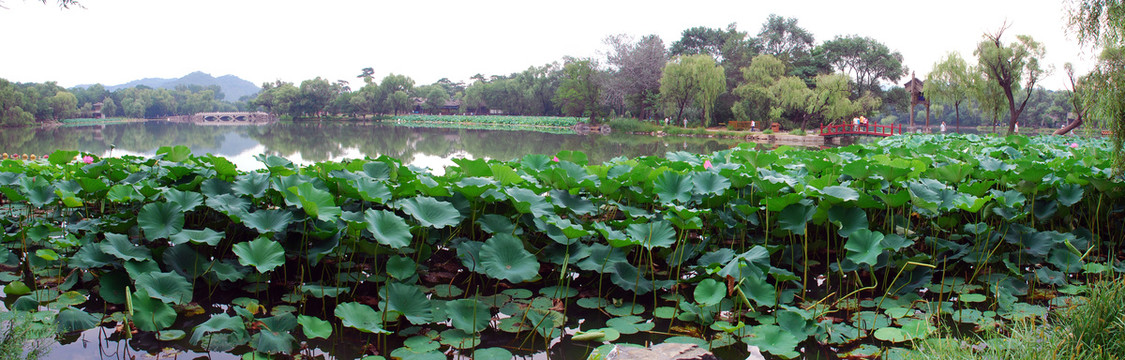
[{"x": 115, "y": 41}]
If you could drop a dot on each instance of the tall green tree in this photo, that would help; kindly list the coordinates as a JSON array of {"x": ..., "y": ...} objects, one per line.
[
  {"x": 1102, "y": 23},
  {"x": 784, "y": 39},
  {"x": 755, "y": 93},
  {"x": 1014, "y": 67},
  {"x": 866, "y": 60},
  {"x": 580, "y": 89},
  {"x": 950, "y": 81},
  {"x": 693, "y": 79},
  {"x": 635, "y": 69},
  {"x": 990, "y": 99},
  {"x": 829, "y": 101}
]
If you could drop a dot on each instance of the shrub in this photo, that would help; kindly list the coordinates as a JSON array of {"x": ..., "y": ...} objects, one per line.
[{"x": 632, "y": 125}]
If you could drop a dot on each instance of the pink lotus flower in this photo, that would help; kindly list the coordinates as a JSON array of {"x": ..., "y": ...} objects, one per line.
[
  {"x": 556, "y": 159},
  {"x": 1073, "y": 145},
  {"x": 707, "y": 164},
  {"x": 88, "y": 159}
]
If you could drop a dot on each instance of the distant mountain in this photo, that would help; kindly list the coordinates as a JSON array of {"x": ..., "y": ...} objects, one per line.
[{"x": 234, "y": 88}]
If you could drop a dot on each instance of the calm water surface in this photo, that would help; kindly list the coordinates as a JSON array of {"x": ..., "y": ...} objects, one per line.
[{"x": 308, "y": 143}]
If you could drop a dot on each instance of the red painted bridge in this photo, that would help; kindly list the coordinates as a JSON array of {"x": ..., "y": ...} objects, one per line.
[{"x": 860, "y": 130}]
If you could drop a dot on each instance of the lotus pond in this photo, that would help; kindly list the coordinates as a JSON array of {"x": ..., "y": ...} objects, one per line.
[{"x": 856, "y": 250}]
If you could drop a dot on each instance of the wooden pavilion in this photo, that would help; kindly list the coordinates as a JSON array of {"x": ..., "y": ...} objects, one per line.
[{"x": 914, "y": 87}]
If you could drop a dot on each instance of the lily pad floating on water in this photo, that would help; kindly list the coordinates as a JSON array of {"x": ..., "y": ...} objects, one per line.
[{"x": 629, "y": 325}]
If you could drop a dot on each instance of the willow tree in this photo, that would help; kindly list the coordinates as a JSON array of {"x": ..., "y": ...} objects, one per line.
[
  {"x": 755, "y": 97},
  {"x": 692, "y": 79},
  {"x": 828, "y": 101},
  {"x": 1014, "y": 67},
  {"x": 1102, "y": 23},
  {"x": 951, "y": 81}
]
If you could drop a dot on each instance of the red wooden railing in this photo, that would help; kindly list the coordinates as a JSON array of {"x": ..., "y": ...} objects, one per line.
[{"x": 853, "y": 129}]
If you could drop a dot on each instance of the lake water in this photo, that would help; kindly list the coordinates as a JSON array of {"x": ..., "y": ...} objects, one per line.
[{"x": 424, "y": 147}]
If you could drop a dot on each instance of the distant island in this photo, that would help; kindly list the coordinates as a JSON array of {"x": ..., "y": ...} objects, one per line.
[{"x": 233, "y": 87}]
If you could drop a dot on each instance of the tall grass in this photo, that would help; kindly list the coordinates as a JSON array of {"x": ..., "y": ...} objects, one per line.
[
  {"x": 633, "y": 125},
  {"x": 20, "y": 338},
  {"x": 1092, "y": 330}
]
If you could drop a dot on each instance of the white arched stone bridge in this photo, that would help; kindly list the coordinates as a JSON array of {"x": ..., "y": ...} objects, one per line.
[{"x": 232, "y": 118}]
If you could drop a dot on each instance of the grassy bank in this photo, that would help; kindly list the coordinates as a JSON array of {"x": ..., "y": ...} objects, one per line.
[{"x": 1093, "y": 329}]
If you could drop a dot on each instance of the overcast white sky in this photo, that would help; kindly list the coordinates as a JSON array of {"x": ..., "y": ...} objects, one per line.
[{"x": 116, "y": 41}]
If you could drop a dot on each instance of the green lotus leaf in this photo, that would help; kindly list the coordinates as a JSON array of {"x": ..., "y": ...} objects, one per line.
[
  {"x": 373, "y": 190},
  {"x": 228, "y": 270},
  {"x": 68, "y": 198},
  {"x": 497, "y": 224},
  {"x": 631, "y": 324},
  {"x": 321, "y": 291},
  {"x": 528, "y": 202},
  {"x": 185, "y": 200},
  {"x": 796, "y": 323},
  {"x": 261, "y": 253},
  {"x": 468, "y": 315},
  {"x": 630, "y": 278},
  {"x": 864, "y": 246},
  {"x": 16, "y": 288},
  {"x": 650, "y": 235},
  {"x": 891, "y": 334},
  {"x": 840, "y": 193},
  {"x": 707, "y": 182},
  {"x": 234, "y": 206},
  {"x": 122, "y": 193},
  {"x": 389, "y": 229},
  {"x": 869, "y": 320},
  {"x": 577, "y": 204},
  {"x": 431, "y": 212},
  {"x": 60, "y": 157},
  {"x": 38, "y": 191},
  {"x": 361, "y": 317},
  {"x": 185, "y": 261},
  {"x": 253, "y": 185},
  {"x": 151, "y": 314},
  {"x": 268, "y": 221},
  {"x": 503, "y": 257},
  {"x": 273, "y": 342},
  {"x": 407, "y": 300},
  {"x": 170, "y": 335},
  {"x": 1069, "y": 194},
  {"x": 47, "y": 254},
  {"x": 177, "y": 153},
  {"x": 492, "y": 353},
  {"x": 313, "y": 327},
  {"x": 120, "y": 247},
  {"x": 709, "y": 292},
  {"x": 401, "y": 267},
  {"x": 220, "y": 323},
  {"x": 671, "y": 186},
  {"x": 167, "y": 287},
  {"x": 849, "y": 219},
  {"x": 214, "y": 187},
  {"x": 317, "y": 203},
  {"x": 72, "y": 320},
  {"x": 754, "y": 287},
  {"x": 774, "y": 340},
  {"x": 205, "y": 236},
  {"x": 795, "y": 216}
]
